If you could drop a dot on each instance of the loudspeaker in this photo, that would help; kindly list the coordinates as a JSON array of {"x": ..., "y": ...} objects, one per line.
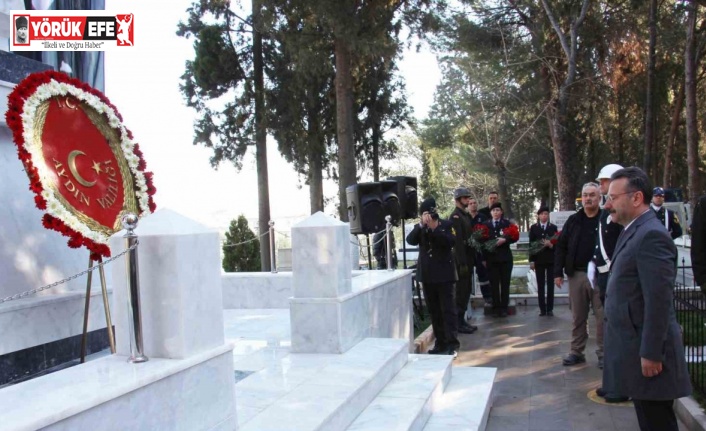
[
  {"x": 365, "y": 208},
  {"x": 407, "y": 195},
  {"x": 390, "y": 201}
]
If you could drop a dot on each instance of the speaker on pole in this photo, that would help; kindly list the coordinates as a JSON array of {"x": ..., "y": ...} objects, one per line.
[
  {"x": 407, "y": 195},
  {"x": 390, "y": 201},
  {"x": 365, "y": 208}
]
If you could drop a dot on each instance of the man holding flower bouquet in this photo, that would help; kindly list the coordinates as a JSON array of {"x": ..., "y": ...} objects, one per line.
[
  {"x": 501, "y": 233},
  {"x": 543, "y": 236}
]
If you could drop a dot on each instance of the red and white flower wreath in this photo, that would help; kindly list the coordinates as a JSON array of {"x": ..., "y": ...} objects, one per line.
[{"x": 23, "y": 103}]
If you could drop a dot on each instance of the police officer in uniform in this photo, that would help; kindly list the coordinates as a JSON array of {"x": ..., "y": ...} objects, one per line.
[
  {"x": 464, "y": 256},
  {"x": 698, "y": 243},
  {"x": 543, "y": 262},
  {"x": 607, "y": 238},
  {"x": 437, "y": 271},
  {"x": 499, "y": 261},
  {"x": 668, "y": 218}
]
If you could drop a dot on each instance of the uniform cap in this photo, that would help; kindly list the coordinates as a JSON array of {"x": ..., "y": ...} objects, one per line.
[
  {"x": 496, "y": 205},
  {"x": 542, "y": 209},
  {"x": 429, "y": 204},
  {"x": 658, "y": 191}
]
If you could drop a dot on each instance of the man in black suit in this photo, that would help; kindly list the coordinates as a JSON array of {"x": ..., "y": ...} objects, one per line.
[
  {"x": 464, "y": 256},
  {"x": 668, "y": 218},
  {"x": 437, "y": 271},
  {"x": 543, "y": 261},
  {"x": 493, "y": 198},
  {"x": 698, "y": 243}
]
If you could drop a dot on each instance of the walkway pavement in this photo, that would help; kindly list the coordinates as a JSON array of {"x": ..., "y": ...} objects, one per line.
[{"x": 533, "y": 390}]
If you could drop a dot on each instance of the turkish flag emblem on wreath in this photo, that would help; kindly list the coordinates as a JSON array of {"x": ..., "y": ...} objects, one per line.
[{"x": 83, "y": 166}]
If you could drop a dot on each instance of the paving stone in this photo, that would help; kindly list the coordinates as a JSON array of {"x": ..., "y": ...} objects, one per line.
[{"x": 533, "y": 390}]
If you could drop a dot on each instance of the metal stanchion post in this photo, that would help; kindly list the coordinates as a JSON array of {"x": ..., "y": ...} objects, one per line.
[
  {"x": 273, "y": 258},
  {"x": 136, "y": 351},
  {"x": 388, "y": 239}
]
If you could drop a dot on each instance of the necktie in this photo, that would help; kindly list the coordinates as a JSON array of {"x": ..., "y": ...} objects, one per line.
[{"x": 495, "y": 224}]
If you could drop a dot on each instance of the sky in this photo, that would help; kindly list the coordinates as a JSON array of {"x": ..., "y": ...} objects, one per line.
[{"x": 143, "y": 82}]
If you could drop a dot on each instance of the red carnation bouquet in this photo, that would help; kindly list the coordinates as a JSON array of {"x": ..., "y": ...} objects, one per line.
[
  {"x": 479, "y": 234},
  {"x": 537, "y": 246},
  {"x": 510, "y": 233}
]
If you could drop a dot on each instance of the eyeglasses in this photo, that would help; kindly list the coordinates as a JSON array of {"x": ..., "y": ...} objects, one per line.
[{"x": 611, "y": 198}]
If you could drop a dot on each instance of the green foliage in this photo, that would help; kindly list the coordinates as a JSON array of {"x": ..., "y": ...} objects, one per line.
[{"x": 243, "y": 257}]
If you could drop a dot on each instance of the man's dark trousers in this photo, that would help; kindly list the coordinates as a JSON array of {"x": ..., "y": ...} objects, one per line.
[
  {"x": 602, "y": 283},
  {"x": 656, "y": 415},
  {"x": 464, "y": 289},
  {"x": 545, "y": 278},
  {"x": 441, "y": 302}
]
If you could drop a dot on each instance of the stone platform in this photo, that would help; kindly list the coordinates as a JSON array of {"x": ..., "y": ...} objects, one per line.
[{"x": 375, "y": 385}]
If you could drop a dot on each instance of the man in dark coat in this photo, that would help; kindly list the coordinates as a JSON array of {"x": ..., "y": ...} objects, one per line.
[
  {"x": 437, "y": 272},
  {"x": 542, "y": 262},
  {"x": 573, "y": 253},
  {"x": 644, "y": 352},
  {"x": 464, "y": 256},
  {"x": 669, "y": 219},
  {"x": 493, "y": 198}
]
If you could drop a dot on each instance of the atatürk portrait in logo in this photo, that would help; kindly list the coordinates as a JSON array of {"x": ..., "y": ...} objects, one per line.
[{"x": 21, "y": 30}]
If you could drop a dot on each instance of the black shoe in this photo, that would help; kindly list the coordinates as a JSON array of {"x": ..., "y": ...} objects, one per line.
[
  {"x": 600, "y": 392},
  {"x": 467, "y": 329},
  {"x": 573, "y": 359},
  {"x": 550, "y": 313},
  {"x": 542, "y": 313},
  {"x": 451, "y": 352},
  {"x": 503, "y": 313},
  {"x": 612, "y": 399},
  {"x": 437, "y": 350}
]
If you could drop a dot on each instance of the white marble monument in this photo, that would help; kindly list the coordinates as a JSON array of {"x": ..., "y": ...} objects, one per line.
[{"x": 331, "y": 310}]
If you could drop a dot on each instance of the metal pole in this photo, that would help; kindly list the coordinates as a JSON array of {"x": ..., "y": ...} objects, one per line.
[
  {"x": 272, "y": 246},
  {"x": 106, "y": 305},
  {"x": 84, "y": 335},
  {"x": 135, "y": 319},
  {"x": 388, "y": 239},
  {"x": 404, "y": 246},
  {"x": 370, "y": 258}
]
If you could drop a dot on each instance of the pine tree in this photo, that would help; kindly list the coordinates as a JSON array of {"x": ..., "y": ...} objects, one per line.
[{"x": 243, "y": 257}]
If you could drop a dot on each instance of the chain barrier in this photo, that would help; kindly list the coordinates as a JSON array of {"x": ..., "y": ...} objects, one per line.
[
  {"x": 245, "y": 242},
  {"x": 73, "y": 277},
  {"x": 374, "y": 243},
  {"x": 283, "y": 234}
]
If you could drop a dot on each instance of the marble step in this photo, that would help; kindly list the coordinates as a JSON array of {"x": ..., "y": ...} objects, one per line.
[
  {"x": 409, "y": 399},
  {"x": 304, "y": 396},
  {"x": 466, "y": 403}
]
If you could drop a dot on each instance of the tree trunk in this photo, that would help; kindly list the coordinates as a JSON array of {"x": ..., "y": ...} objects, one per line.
[
  {"x": 563, "y": 150},
  {"x": 316, "y": 182},
  {"x": 620, "y": 150},
  {"x": 649, "y": 103},
  {"x": 673, "y": 130},
  {"x": 692, "y": 133},
  {"x": 503, "y": 191},
  {"x": 263, "y": 192},
  {"x": 376, "y": 151},
  {"x": 344, "y": 124}
]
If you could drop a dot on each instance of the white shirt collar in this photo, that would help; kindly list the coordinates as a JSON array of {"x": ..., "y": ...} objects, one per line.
[
  {"x": 655, "y": 207},
  {"x": 633, "y": 220}
]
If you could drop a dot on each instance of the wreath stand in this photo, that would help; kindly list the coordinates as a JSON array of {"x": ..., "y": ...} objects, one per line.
[{"x": 106, "y": 306}]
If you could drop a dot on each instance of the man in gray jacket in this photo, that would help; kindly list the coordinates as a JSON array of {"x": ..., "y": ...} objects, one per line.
[{"x": 644, "y": 355}]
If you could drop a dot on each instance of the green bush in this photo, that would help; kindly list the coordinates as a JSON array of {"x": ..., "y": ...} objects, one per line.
[{"x": 243, "y": 257}]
